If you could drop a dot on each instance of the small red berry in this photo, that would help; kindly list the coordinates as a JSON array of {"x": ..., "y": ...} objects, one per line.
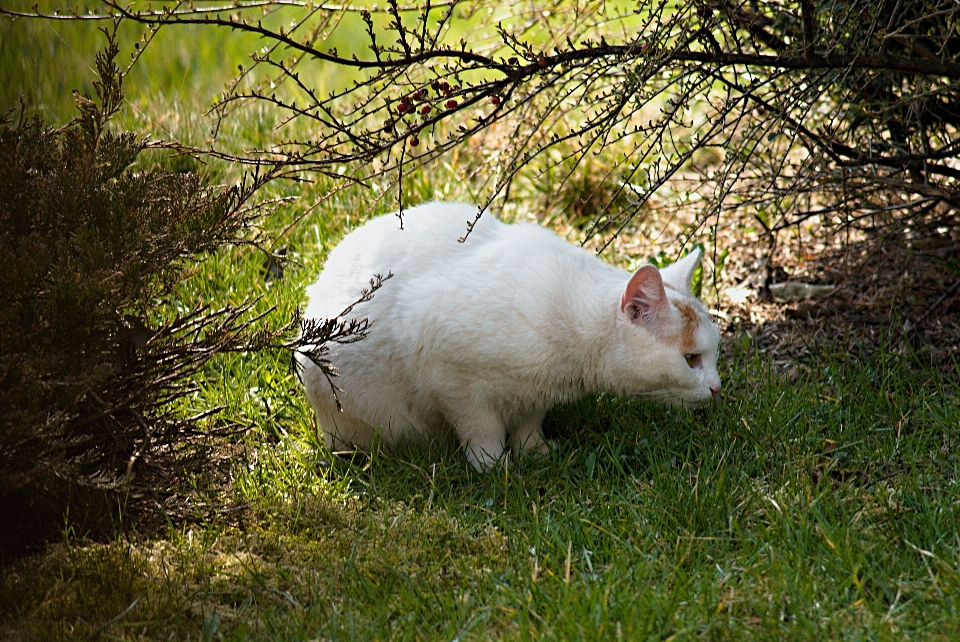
[
  {"x": 513, "y": 60},
  {"x": 451, "y": 104},
  {"x": 445, "y": 86},
  {"x": 402, "y": 107},
  {"x": 388, "y": 128},
  {"x": 414, "y": 141},
  {"x": 435, "y": 84},
  {"x": 542, "y": 61},
  {"x": 495, "y": 100},
  {"x": 425, "y": 110}
]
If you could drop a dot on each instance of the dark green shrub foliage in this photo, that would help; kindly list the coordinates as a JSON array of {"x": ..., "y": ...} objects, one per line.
[{"x": 88, "y": 245}]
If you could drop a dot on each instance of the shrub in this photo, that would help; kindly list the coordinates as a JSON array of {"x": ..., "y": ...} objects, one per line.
[{"x": 90, "y": 242}]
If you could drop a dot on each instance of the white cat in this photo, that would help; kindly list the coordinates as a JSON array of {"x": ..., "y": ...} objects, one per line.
[{"x": 481, "y": 338}]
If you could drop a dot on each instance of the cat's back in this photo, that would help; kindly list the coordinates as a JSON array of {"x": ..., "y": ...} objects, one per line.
[
  {"x": 424, "y": 241},
  {"x": 428, "y": 231}
]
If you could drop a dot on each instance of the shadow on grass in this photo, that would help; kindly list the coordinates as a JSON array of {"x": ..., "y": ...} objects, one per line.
[{"x": 822, "y": 504}]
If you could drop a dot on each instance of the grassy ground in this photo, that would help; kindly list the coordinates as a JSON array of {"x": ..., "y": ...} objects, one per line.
[
  {"x": 822, "y": 503},
  {"x": 821, "y": 506}
]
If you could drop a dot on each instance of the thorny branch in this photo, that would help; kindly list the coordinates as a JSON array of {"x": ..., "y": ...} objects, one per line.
[
  {"x": 807, "y": 105},
  {"x": 316, "y": 335}
]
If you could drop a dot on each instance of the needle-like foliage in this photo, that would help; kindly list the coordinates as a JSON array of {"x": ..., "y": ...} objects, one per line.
[{"x": 90, "y": 368}]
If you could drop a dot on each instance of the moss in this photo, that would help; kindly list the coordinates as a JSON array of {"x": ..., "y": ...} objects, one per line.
[{"x": 322, "y": 550}]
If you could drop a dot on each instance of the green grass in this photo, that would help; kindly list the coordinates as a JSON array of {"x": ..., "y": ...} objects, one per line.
[{"x": 821, "y": 505}]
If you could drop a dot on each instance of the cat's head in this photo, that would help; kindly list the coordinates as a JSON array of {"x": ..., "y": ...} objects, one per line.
[{"x": 670, "y": 343}]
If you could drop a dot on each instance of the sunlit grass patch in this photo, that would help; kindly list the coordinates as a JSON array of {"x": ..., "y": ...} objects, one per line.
[{"x": 823, "y": 502}]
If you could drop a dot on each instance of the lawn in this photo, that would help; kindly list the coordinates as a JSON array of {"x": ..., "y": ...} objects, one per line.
[{"x": 819, "y": 501}]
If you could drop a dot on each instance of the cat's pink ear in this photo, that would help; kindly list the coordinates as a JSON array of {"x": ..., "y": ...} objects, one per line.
[{"x": 644, "y": 299}]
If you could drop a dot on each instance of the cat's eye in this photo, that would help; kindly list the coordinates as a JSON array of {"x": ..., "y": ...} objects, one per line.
[{"x": 693, "y": 359}]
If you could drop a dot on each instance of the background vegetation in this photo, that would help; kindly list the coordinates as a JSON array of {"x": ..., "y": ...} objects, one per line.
[
  {"x": 91, "y": 368},
  {"x": 818, "y": 499},
  {"x": 845, "y": 115}
]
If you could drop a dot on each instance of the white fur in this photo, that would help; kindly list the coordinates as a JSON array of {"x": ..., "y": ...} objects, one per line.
[{"x": 481, "y": 338}]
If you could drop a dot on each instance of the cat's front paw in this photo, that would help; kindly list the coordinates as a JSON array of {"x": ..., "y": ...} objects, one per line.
[
  {"x": 549, "y": 445},
  {"x": 538, "y": 447},
  {"x": 533, "y": 443},
  {"x": 484, "y": 457}
]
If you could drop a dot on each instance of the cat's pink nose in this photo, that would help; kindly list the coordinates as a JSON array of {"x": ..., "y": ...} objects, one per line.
[{"x": 715, "y": 390}]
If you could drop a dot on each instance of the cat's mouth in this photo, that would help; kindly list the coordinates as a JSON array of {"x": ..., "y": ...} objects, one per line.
[
  {"x": 676, "y": 398},
  {"x": 697, "y": 403}
]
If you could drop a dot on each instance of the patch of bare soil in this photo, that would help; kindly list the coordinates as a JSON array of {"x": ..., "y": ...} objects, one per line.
[{"x": 900, "y": 290}]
